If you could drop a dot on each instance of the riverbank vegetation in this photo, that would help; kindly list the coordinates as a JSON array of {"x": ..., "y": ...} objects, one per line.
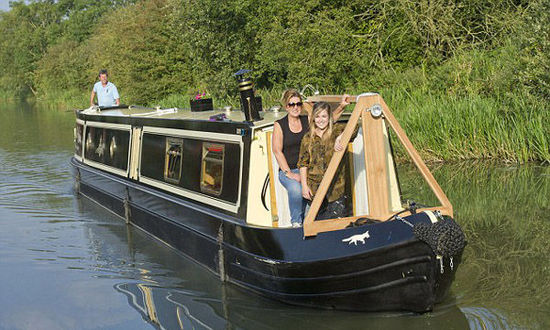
[{"x": 467, "y": 79}]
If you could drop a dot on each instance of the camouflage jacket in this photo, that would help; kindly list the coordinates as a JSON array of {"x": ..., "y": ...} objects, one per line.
[{"x": 317, "y": 157}]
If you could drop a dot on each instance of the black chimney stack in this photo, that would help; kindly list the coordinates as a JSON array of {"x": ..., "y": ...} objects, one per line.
[{"x": 248, "y": 103}]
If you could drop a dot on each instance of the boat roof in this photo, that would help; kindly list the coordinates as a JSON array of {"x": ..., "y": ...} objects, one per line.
[
  {"x": 269, "y": 116},
  {"x": 233, "y": 115}
]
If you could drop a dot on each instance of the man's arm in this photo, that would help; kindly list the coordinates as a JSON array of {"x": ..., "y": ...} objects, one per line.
[
  {"x": 116, "y": 96},
  {"x": 92, "y": 98}
]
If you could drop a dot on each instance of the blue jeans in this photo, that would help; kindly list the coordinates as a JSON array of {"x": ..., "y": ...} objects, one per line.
[{"x": 295, "y": 201}]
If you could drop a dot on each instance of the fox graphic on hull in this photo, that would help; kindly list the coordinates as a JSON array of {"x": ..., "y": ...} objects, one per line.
[{"x": 357, "y": 238}]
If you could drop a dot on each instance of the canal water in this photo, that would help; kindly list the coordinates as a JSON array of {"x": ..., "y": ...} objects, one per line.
[{"x": 67, "y": 263}]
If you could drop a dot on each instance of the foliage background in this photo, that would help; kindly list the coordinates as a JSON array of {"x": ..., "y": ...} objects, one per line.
[{"x": 467, "y": 78}]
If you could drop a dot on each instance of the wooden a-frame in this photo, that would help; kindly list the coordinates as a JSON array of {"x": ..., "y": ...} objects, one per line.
[{"x": 375, "y": 164}]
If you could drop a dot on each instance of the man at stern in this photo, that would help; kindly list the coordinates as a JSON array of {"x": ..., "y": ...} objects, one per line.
[{"x": 107, "y": 94}]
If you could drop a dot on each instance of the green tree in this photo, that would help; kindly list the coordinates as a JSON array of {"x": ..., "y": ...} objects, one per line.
[
  {"x": 142, "y": 47},
  {"x": 83, "y": 15},
  {"x": 65, "y": 72},
  {"x": 27, "y": 30}
]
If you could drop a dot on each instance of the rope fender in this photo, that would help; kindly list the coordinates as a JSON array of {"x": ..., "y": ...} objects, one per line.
[{"x": 445, "y": 237}]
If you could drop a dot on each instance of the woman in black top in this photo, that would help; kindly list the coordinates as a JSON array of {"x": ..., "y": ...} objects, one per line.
[{"x": 287, "y": 137}]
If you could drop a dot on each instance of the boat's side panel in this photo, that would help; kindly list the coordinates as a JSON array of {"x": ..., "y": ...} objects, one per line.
[
  {"x": 196, "y": 140},
  {"x": 190, "y": 179},
  {"x": 103, "y": 189},
  {"x": 201, "y": 246}
]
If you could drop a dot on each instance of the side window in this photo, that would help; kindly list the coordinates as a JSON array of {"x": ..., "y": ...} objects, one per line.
[
  {"x": 212, "y": 168},
  {"x": 94, "y": 143},
  {"x": 78, "y": 131},
  {"x": 173, "y": 160},
  {"x": 197, "y": 167},
  {"x": 108, "y": 146},
  {"x": 117, "y": 147}
]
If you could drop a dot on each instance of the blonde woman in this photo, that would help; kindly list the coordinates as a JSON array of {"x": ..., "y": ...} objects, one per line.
[
  {"x": 287, "y": 138},
  {"x": 316, "y": 150}
]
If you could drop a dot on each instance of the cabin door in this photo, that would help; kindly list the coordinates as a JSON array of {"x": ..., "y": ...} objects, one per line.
[{"x": 278, "y": 194}]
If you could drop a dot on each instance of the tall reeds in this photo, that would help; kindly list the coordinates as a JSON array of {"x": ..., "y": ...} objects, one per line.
[{"x": 447, "y": 127}]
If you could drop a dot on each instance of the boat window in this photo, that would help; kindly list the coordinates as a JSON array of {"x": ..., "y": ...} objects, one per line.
[
  {"x": 173, "y": 160},
  {"x": 91, "y": 141},
  {"x": 78, "y": 139},
  {"x": 198, "y": 169},
  {"x": 108, "y": 146},
  {"x": 212, "y": 168}
]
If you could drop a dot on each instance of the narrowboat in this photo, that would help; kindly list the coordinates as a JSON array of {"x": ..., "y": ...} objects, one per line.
[{"x": 206, "y": 184}]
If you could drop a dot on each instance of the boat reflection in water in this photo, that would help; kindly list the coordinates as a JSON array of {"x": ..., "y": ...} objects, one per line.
[
  {"x": 169, "y": 309},
  {"x": 181, "y": 309}
]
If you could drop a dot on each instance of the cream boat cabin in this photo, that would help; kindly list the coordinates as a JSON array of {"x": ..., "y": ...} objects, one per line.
[{"x": 206, "y": 184}]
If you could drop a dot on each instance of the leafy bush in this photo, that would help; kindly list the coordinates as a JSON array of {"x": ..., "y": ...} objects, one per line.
[
  {"x": 534, "y": 37},
  {"x": 65, "y": 68}
]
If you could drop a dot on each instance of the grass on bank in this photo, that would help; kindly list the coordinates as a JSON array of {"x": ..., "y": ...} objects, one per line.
[{"x": 444, "y": 127}]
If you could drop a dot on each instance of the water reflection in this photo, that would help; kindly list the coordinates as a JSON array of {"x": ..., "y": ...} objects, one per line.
[
  {"x": 504, "y": 211},
  {"x": 485, "y": 318},
  {"x": 183, "y": 309}
]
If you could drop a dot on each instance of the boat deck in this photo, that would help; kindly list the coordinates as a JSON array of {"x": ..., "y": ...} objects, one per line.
[{"x": 234, "y": 115}]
